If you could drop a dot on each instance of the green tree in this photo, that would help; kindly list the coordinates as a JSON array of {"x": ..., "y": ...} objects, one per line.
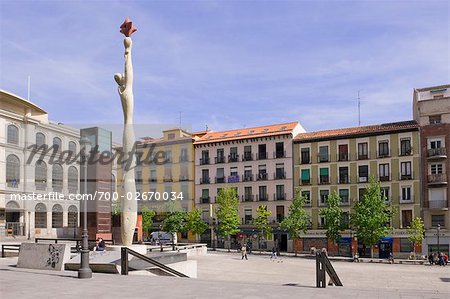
[
  {"x": 147, "y": 219},
  {"x": 416, "y": 230},
  {"x": 333, "y": 217},
  {"x": 194, "y": 222},
  {"x": 298, "y": 219},
  {"x": 371, "y": 215},
  {"x": 262, "y": 223},
  {"x": 227, "y": 213},
  {"x": 174, "y": 223}
]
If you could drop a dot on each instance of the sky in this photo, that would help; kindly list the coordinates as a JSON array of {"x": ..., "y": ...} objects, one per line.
[{"x": 226, "y": 64}]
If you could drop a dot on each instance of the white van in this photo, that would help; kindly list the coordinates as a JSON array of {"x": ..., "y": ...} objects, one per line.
[{"x": 163, "y": 237}]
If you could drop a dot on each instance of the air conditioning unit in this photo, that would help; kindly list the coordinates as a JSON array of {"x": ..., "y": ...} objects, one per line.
[{"x": 362, "y": 179}]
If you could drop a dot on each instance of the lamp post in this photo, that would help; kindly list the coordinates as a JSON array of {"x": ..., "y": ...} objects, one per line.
[
  {"x": 85, "y": 271},
  {"x": 438, "y": 233}
]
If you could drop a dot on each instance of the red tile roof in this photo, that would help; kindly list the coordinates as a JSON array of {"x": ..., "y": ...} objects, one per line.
[
  {"x": 357, "y": 131},
  {"x": 245, "y": 133}
]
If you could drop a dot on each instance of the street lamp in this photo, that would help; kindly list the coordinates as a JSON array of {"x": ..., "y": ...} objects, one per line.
[
  {"x": 438, "y": 233},
  {"x": 85, "y": 271}
]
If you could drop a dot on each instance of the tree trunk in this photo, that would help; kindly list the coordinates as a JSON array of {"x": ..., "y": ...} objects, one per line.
[
  {"x": 371, "y": 251},
  {"x": 229, "y": 243},
  {"x": 414, "y": 250}
]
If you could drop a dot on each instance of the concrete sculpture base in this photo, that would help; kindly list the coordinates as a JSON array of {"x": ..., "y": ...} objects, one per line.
[{"x": 43, "y": 256}]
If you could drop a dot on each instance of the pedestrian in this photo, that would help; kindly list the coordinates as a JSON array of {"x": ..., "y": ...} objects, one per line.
[
  {"x": 391, "y": 258},
  {"x": 244, "y": 251},
  {"x": 356, "y": 258},
  {"x": 445, "y": 257},
  {"x": 431, "y": 258},
  {"x": 274, "y": 253},
  {"x": 441, "y": 259}
]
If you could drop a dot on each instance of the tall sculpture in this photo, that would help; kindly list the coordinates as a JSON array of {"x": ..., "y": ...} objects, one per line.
[{"x": 125, "y": 89}]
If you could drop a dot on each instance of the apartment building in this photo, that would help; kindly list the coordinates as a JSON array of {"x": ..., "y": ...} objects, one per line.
[
  {"x": 431, "y": 109},
  {"x": 258, "y": 163},
  {"x": 342, "y": 160}
]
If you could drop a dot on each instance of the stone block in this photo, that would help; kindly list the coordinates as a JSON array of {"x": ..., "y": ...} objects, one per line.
[{"x": 43, "y": 256}]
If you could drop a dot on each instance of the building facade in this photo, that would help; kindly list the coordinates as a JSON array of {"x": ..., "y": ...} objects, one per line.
[
  {"x": 342, "y": 160},
  {"x": 431, "y": 109},
  {"x": 22, "y": 173},
  {"x": 258, "y": 163}
]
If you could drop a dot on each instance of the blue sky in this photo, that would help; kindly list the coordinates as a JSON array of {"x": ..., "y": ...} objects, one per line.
[{"x": 227, "y": 64}]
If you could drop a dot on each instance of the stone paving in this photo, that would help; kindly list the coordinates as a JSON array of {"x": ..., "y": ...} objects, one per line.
[{"x": 225, "y": 275}]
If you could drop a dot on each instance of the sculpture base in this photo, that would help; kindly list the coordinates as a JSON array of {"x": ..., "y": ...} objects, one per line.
[{"x": 142, "y": 249}]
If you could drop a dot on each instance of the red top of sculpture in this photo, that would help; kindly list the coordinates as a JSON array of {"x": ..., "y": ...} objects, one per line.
[{"x": 127, "y": 28}]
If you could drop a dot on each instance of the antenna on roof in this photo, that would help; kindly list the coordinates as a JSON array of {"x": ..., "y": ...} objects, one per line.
[
  {"x": 206, "y": 127},
  {"x": 359, "y": 110},
  {"x": 179, "y": 118},
  {"x": 28, "y": 88}
]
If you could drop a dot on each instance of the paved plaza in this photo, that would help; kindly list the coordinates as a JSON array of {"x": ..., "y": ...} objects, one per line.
[{"x": 226, "y": 275}]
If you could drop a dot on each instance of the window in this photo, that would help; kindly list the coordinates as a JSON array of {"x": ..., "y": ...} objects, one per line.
[
  {"x": 72, "y": 179},
  {"x": 248, "y": 153},
  {"x": 321, "y": 221},
  {"x": 362, "y": 191},
  {"x": 57, "y": 144},
  {"x": 305, "y": 177},
  {"x": 138, "y": 176},
  {"x": 383, "y": 172},
  {"x": 262, "y": 174},
  {"x": 262, "y": 193},
  {"x": 40, "y": 139},
  {"x": 307, "y": 196},
  {"x": 72, "y": 216},
  {"x": 324, "y": 178},
  {"x": 305, "y": 157},
  {"x": 280, "y": 195},
  {"x": 383, "y": 148},
  {"x": 57, "y": 178},
  {"x": 205, "y": 176},
  {"x": 220, "y": 176},
  {"x": 280, "y": 173},
  {"x": 343, "y": 194},
  {"x": 233, "y": 171},
  {"x": 57, "y": 216},
  {"x": 220, "y": 156},
  {"x": 184, "y": 155},
  {"x": 279, "y": 150},
  {"x": 72, "y": 147},
  {"x": 323, "y": 196},
  {"x": 436, "y": 168},
  {"x": 12, "y": 171},
  {"x": 406, "y": 245},
  {"x": 406, "y": 218},
  {"x": 184, "y": 173},
  {"x": 434, "y": 119},
  {"x": 434, "y": 144},
  {"x": 248, "y": 216},
  {"x": 262, "y": 153},
  {"x": 345, "y": 220},
  {"x": 13, "y": 135},
  {"x": 40, "y": 175},
  {"x": 280, "y": 213},
  {"x": 168, "y": 156},
  {"x": 323, "y": 154},
  {"x": 343, "y": 152},
  {"x": 437, "y": 219},
  {"x": 363, "y": 173},
  {"x": 406, "y": 193},
  {"x": 205, "y": 157},
  {"x": 343, "y": 175},
  {"x": 171, "y": 136},
  {"x": 40, "y": 216},
  {"x": 153, "y": 177},
  {"x": 385, "y": 193},
  {"x": 233, "y": 155},
  {"x": 248, "y": 196},
  {"x": 363, "y": 151},
  {"x": 405, "y": 170},
  {"x": 405, "y": 147}
]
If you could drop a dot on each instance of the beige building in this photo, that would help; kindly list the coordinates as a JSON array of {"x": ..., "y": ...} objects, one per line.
[
  {"x": 258, "y": 163},
  {"x": 431, "y": 109},
  {"x": 342, "y": 160}
]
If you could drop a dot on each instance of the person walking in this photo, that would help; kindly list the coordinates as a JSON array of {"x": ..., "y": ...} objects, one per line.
[
  {"x": 244, "y": 251},
  {"x": 274, "y": 253}
]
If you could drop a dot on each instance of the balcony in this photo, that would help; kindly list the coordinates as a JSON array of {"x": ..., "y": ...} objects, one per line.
[
  {"x": 437, "y": 153},
  {"x": 305, "y": 182},
  {"x": 305, "y": 160},
  {"x": 406, "y": 200},
  {"x": 344, "y": 179},
  {"x": 262, "y": 176},
  {"x": 220, "y": 180},
  {"x": 363, "y": 156},
  {"x": 261, "y": 156},
  {"x": 204, "y": 180},
  {"x": 247, "y": 157},
  {"x": 406, "y": 176},
  {"x": 384, "y": 177},
  {"x": 261, "y": 197},
  {"x": 168, "y": 179},
  {"x": 405, "y": 152},
  {"x": 279, "y": 175},
  {"x": 323, "y": 158},
  {"x": 247, "y": 197},
  {"x": 324, "y": 180},
  {"x": 437, "y": 180},
  {"x": 343, "y": 157},
  {"x": 205, "y": 199},
  {"x": 383, "y": 154},
  {"x": 184, "y": 178},
  {"x": 440, "y": 204},
  {"x": 279, "y": 154},
  {"x": 204, "y": 161},
  {"x": 247, "y": 177},
  {"x": 279, "y": 196},
  {"x": 233, "y": 158},
  {"x": 233, "y": 178},
  {"x": 220, "y": 159}
]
